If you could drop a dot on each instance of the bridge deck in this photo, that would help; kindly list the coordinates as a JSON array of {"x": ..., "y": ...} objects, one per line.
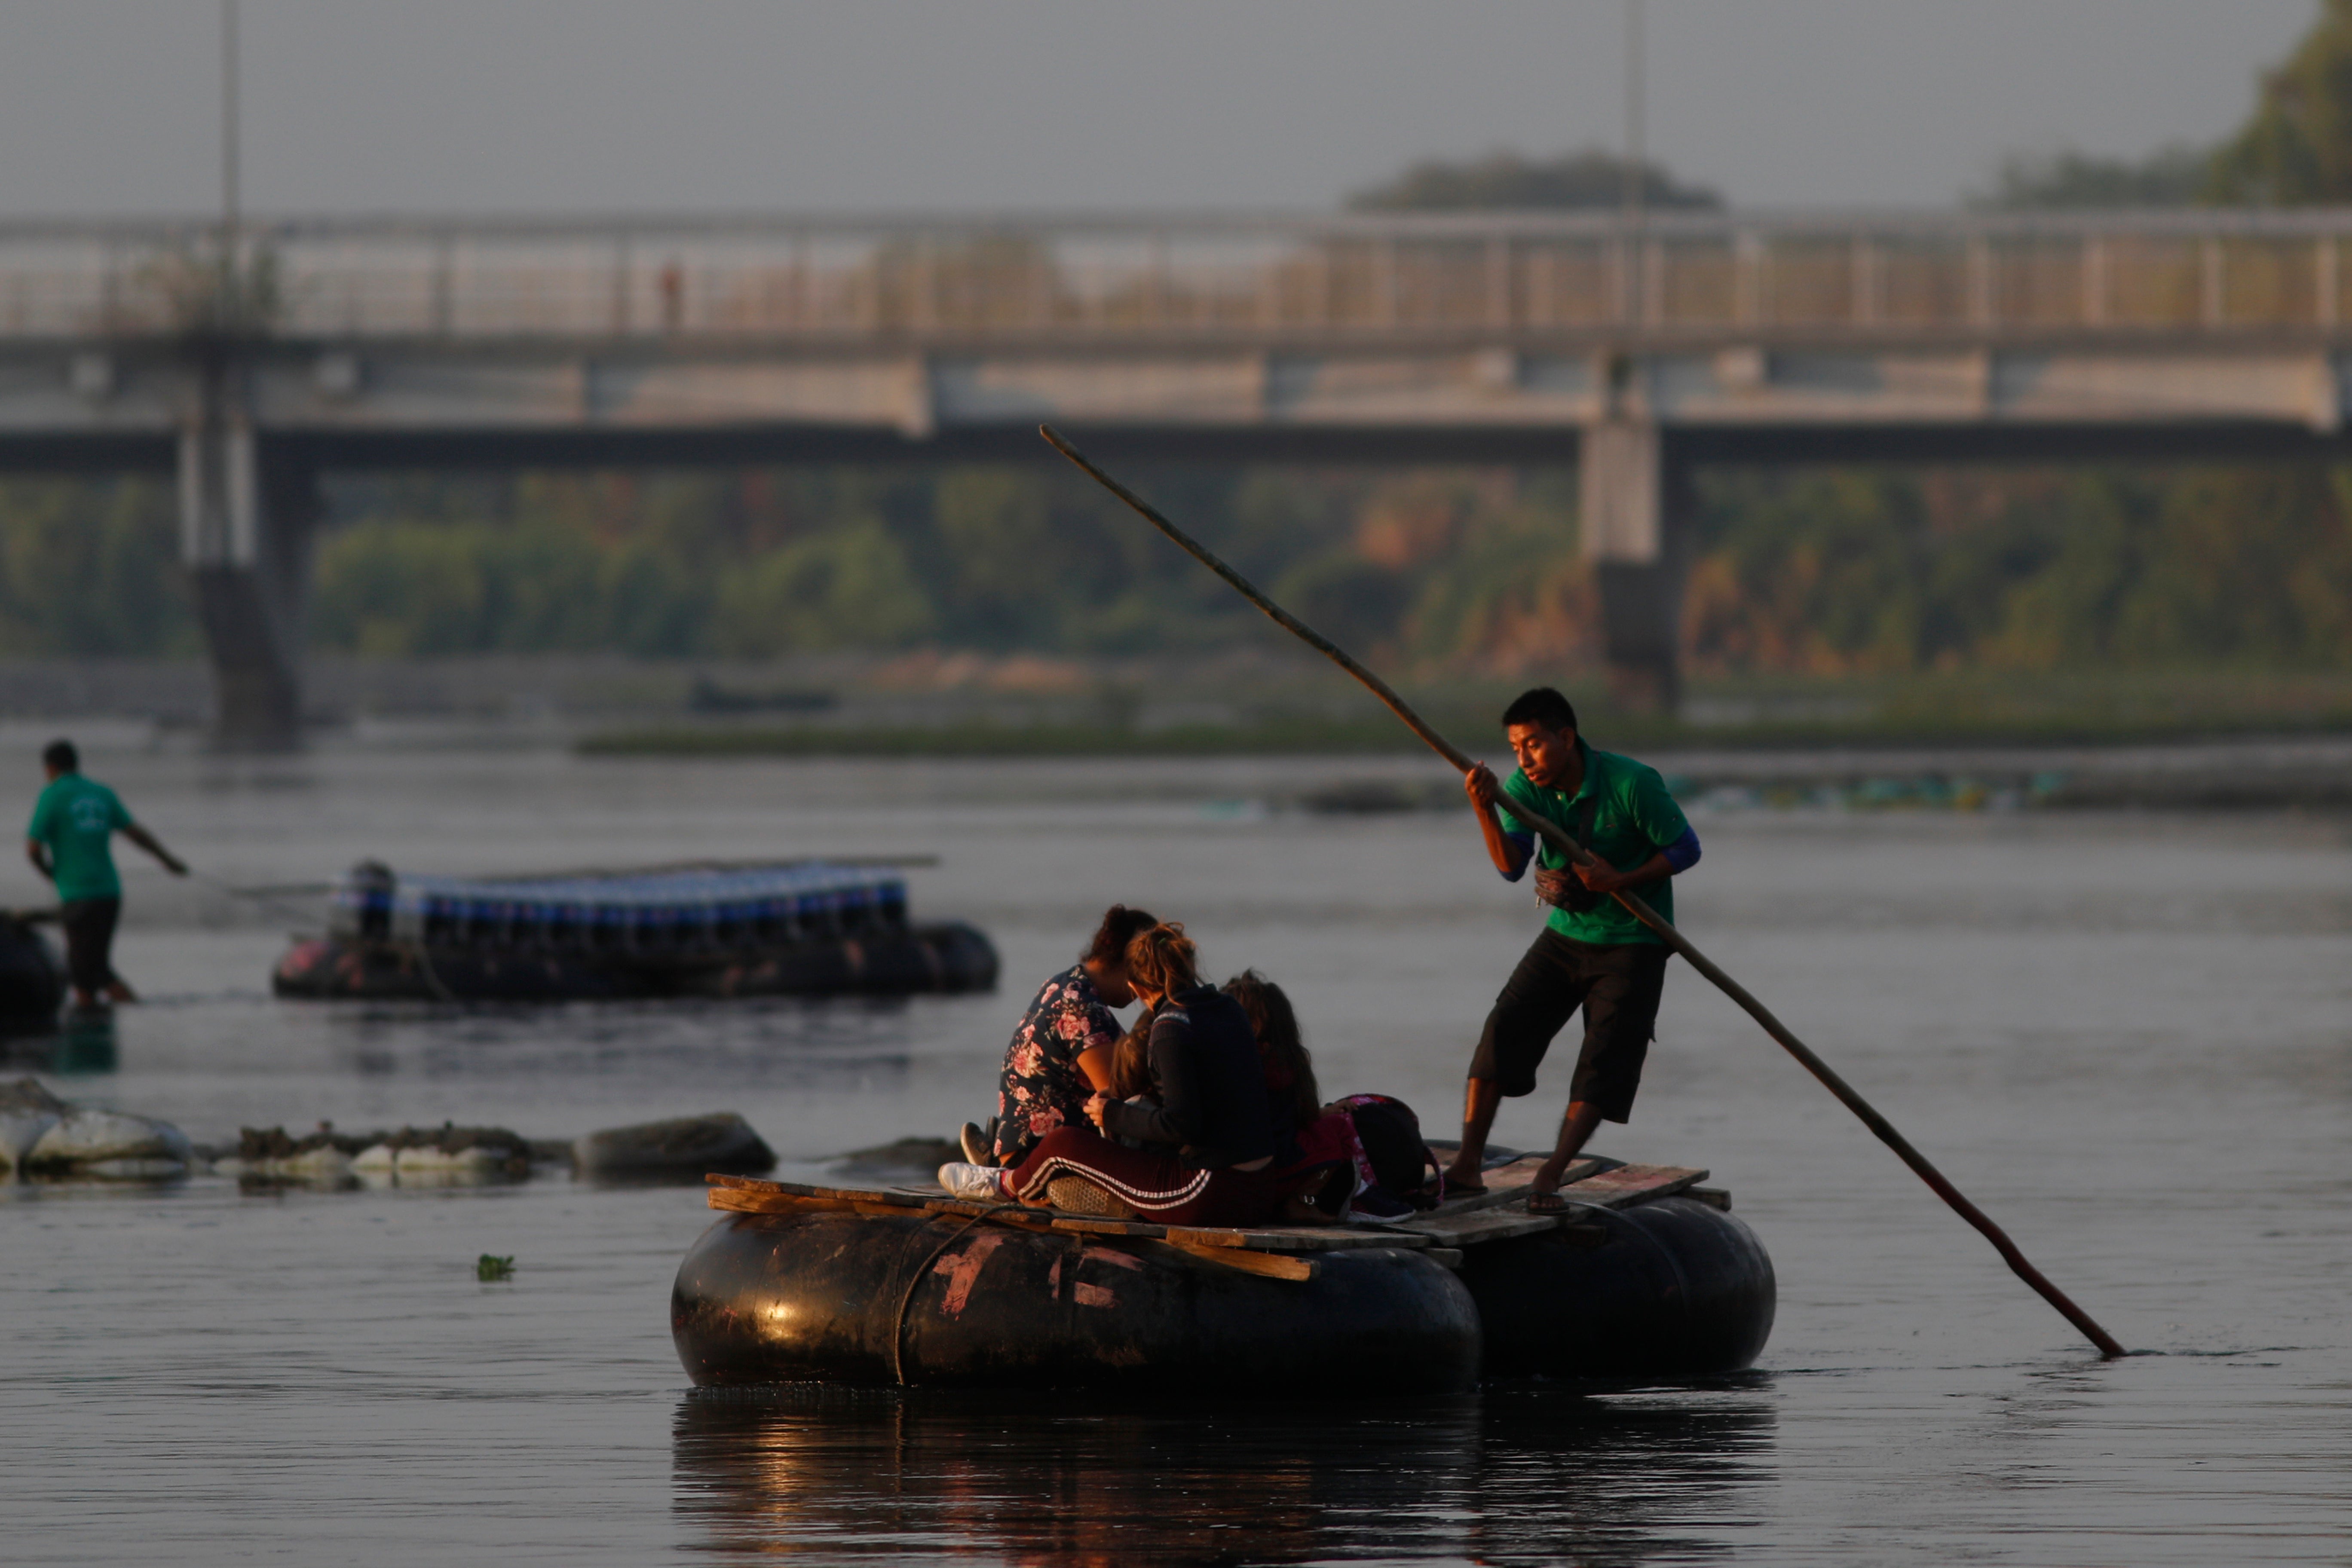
[{"x": 1883, "y": 276}]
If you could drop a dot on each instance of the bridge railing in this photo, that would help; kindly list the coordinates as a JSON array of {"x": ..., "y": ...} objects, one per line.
[{"x": 1357, "y": 277}]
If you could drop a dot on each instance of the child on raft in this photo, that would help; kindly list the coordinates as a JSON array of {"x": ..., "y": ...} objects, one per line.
[
  {"x": 1293, "y": 1101},
  {"x": 1207, "y": 1129}
]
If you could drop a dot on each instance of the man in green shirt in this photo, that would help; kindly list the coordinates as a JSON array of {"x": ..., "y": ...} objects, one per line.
[
  {"x": 1592, "y": 953},
  {"x": 71, "y": 842}
]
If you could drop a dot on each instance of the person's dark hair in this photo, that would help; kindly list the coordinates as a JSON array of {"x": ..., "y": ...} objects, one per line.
[
  {"x": 1541, "y": 705},
  {"x": 1130, "y": 1060},
  {"x": 1281, "y": 1049},
  {"x": 61, "y": 755},
  {"x": 1120, "y": 926}
]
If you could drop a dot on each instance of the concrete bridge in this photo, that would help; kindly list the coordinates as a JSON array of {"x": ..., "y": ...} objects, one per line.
[{"x": 1642, "y": 350}]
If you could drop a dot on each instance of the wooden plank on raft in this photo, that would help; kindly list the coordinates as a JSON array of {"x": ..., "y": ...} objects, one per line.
[
  {"x": 1630, "y": 1184},
  {"x": 741, "y": 1200},
  {"x": 1270, "y": 1265},
  {"x": 1621, "y": 1187},
  {"x": 793, "y": 1197},
  {"x": 1498, "y": 1224},
  {"x": 892, "y": 1198},
  {"x": 1295, "y": 1238},
  {"x": 1498, "y": 1214},
  {"x": 1089, "y": 1225},
  {"x": 1507, "y": 1184}
]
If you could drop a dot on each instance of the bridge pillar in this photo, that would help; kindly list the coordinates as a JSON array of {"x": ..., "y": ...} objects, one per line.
[
  {"x": 1634, "y": 500},
  {"x": 245, "y": 518}
]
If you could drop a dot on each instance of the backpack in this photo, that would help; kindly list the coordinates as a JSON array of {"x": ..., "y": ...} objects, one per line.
[{"x": 1385, "y": 1145}]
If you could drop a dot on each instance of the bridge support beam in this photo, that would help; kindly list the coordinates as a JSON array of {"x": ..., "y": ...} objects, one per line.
[
  {"x": 1634, "y": 500},
  {"x": 246, "y": 515}
]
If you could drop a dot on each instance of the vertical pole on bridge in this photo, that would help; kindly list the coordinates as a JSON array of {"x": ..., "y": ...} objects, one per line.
[
  {"x": 247, "y": 517},
  {"x": 1633, "y": 497},
  {"x": 1636, "y": 174},
  {"x": 228, "y": 129},
  {"x": 245, "y": 512},
  {"x": 1629, "y": 495}
]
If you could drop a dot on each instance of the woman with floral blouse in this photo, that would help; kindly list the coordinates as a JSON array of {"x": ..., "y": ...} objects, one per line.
[{"x": 1060, "y": 1054}]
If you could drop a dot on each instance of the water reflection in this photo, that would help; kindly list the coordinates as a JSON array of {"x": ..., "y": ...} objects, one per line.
[
  {"x": 782, "y": 1043},
  {"x": 83, "y": 1044},
  {"x": 1524, "y": 1473}
]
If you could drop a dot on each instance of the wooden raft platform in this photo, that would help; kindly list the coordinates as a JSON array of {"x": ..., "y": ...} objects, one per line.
[{"x": 1282, "y": 1252}]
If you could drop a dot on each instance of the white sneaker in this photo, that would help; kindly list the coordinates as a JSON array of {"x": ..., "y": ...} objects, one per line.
[{"x": 982, "y": 1182}]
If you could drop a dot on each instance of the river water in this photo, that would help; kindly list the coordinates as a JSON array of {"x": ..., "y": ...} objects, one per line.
[{"x": 2128, "y": 1038}]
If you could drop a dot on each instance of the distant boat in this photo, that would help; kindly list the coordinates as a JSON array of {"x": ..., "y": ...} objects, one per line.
[{"x": 694, "y": 928}]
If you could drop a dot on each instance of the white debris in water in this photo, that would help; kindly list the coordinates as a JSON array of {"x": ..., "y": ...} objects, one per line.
[
  {"x": 324, "y": 1163},
  {"x": 84, "y": 1138},
  {"x": 472, "y": 1161}
]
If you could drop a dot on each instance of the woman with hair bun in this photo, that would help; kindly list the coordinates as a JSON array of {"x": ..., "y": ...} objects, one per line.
[
  {"x": 1206, "y": 1131},
  {"x": 1061, "y": 1054}
]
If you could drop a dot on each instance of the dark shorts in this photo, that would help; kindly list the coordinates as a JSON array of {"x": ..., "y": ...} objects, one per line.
[
  {"x": 1617, "y": 987},
  {"x": 89, "y": 941}
]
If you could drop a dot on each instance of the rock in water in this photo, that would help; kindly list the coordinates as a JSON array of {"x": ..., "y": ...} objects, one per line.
[
  {"x": 109, "y": 1144},
  {"x": 27, "y": 1113},
  {"x": 27, "y": 1094},
  {"x": 19, "y": 1130},
  {"x": 687, "y": 1145}
]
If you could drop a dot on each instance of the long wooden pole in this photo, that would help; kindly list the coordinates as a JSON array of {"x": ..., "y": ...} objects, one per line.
[{"x": 1554, "y": 835}]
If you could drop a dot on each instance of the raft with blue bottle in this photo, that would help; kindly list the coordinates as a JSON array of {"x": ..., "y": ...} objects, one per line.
[
  {"x": 699, "y": 929},
  {"x": 1645, "y": 1277}
]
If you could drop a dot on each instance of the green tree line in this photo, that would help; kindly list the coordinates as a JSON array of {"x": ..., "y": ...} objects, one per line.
[
  {"x": 997, "y": 558},
  {"x": 1825, "y": 570}
]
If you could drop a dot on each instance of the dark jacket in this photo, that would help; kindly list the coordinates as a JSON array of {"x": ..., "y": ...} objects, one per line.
[{"x": 1206, "y": 1078}]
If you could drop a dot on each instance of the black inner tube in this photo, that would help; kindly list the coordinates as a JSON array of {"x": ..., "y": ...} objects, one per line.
[{"x": 898, "y": 1319}]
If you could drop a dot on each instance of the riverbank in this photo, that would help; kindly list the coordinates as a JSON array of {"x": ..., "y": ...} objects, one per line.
[
  {"x": 1247, "y": 700},
  {"x": 1244, "y": 705}
]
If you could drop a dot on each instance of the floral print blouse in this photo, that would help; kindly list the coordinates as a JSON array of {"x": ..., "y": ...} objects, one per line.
[{"x": 1043, "y": 1087}]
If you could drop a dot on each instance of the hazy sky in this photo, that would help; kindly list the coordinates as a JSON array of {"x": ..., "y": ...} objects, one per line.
[{"x": 566, "y": 105}]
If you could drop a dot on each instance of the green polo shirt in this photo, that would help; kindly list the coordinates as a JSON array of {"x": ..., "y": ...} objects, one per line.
[
  {"x": 1623, "y": 814},
  {"x": 76, "y": 817}
]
